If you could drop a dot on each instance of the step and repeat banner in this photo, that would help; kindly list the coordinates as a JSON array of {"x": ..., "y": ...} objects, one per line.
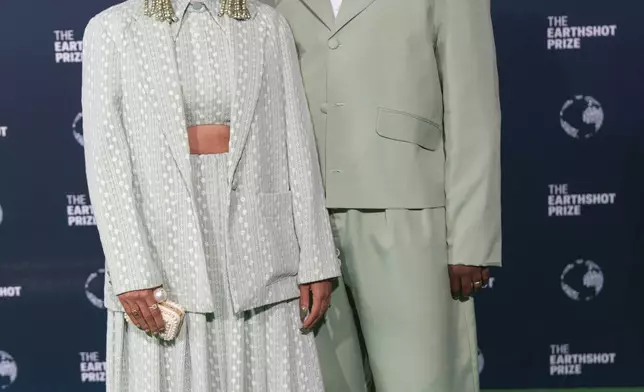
[{"x": 566, "y": 311}]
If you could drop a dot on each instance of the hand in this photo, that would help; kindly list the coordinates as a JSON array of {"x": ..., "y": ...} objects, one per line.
[
  {"x": 466, "y": 280},
  {"x": 142, "y": 308},
  {"x": 321, "y": 293}
]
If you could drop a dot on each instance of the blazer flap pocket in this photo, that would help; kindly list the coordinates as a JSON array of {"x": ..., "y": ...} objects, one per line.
[{"x": 408, "y": 128}]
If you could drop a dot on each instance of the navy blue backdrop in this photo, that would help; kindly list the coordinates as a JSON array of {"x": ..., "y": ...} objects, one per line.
[{"x": 565, "y": 311}]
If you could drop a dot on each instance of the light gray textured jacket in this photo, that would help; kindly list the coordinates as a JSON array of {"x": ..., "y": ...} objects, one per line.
[{"x": 138, "y": 168}]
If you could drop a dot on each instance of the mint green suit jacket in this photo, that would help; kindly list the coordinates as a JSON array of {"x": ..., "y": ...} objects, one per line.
[{"x": 405, "y": 105}]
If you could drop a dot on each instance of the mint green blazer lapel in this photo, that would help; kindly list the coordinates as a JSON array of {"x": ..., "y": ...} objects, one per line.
[
  {"x": 349, "y": 10},
  {"x": 322, "y": 9}
]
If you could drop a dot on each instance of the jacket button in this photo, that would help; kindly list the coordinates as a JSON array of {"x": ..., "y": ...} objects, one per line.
[
  {"x": 324, "y": 108},
  {"x": 334, "y": 44}
]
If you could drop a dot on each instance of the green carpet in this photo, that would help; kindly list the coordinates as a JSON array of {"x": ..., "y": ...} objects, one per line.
[{"x": 638, "y": 389}]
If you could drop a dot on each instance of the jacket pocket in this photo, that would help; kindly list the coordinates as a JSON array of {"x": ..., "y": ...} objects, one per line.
[
  {"x": 276, "y": 204},
  {"x": 280, "y": 239},
  {"x": 405, "y": 127}
]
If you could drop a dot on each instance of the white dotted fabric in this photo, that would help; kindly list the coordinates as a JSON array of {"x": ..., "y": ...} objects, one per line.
[
  {"x": 203, "y": 62},
  {"x": 139, "y": 170},
  {"x": 256, "y": 351}
]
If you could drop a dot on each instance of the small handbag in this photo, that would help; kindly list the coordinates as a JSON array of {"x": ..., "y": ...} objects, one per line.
[{"x": 171, "y": 312}]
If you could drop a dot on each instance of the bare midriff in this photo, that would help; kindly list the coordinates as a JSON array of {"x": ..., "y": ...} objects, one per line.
[{"x": 209, "y": 139}]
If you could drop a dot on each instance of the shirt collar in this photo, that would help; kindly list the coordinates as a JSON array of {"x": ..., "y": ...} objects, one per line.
[{"x": 181, "y": 6}]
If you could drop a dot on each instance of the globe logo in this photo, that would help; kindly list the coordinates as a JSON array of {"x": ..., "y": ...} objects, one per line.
[
  {"x": 481, "y": 361},
  {"x": 581, "y": 117},
  {"x": 582, "y": 280},
  {"x": 8, "y": 370},
  {"x": 77, "y": 129},
  {"x": 94, "y": 288}
]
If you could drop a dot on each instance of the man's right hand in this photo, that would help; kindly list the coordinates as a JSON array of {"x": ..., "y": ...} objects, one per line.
[{"x": 143, "y": 310}]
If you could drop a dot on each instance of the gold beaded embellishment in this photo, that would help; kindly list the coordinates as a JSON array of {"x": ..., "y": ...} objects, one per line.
[
  {"x": 161, "y": 10},
  {"x": 236, "y": 9}
]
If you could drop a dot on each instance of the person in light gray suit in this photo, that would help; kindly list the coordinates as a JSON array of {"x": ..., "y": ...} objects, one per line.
[{"x": 204, "y": 177}]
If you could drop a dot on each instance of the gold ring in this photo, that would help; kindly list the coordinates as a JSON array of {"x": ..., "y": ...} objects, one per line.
[
  {"x": 135, "y": 313},
  {"x": 477, "y": 283},
  {"x": 154, "y": 307}
]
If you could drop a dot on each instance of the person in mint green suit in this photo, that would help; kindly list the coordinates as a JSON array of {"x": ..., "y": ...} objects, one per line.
[{"x": 405, "y": 105}]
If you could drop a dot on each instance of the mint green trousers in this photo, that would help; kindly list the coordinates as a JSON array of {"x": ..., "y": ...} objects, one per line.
[{"x": 393, "y": 322}]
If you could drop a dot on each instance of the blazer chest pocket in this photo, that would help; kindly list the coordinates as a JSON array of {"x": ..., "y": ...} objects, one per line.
[{"x": 404, "y": 127}]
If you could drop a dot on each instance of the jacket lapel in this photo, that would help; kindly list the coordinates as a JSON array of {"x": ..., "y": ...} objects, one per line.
[
  {"x": 247, "y": 49},
  {"x": 247, "y": 52},
  {"x": 349, "y": 10},
  {"x": 322, "y": 9},
  {"x": 158, "y": 48}
]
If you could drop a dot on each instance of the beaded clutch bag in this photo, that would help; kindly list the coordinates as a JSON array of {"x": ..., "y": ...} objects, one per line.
[
  {"x": 172, "y": 317},
  {"x": 172, "y": 314}
]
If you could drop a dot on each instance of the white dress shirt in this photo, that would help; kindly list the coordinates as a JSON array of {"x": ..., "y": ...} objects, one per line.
[{"x": 336, "y": 6}]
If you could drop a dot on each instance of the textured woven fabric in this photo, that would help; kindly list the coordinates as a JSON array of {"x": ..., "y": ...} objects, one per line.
[
  {"x": 229, "y": 236},
  {"x": 257, "y": 351},
  {"x": 139, "y": 172},
  {"x": 203, "y": 62}
]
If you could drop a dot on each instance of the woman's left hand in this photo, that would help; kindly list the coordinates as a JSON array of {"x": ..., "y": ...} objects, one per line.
[{"x": 320, "y": 294}]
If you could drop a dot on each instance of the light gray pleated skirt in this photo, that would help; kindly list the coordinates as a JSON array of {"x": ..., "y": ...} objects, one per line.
[{"x": 260, "y": 351}]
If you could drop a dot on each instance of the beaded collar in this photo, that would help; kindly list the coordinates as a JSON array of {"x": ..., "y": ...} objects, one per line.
[{"x": 170, "y": 10}]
